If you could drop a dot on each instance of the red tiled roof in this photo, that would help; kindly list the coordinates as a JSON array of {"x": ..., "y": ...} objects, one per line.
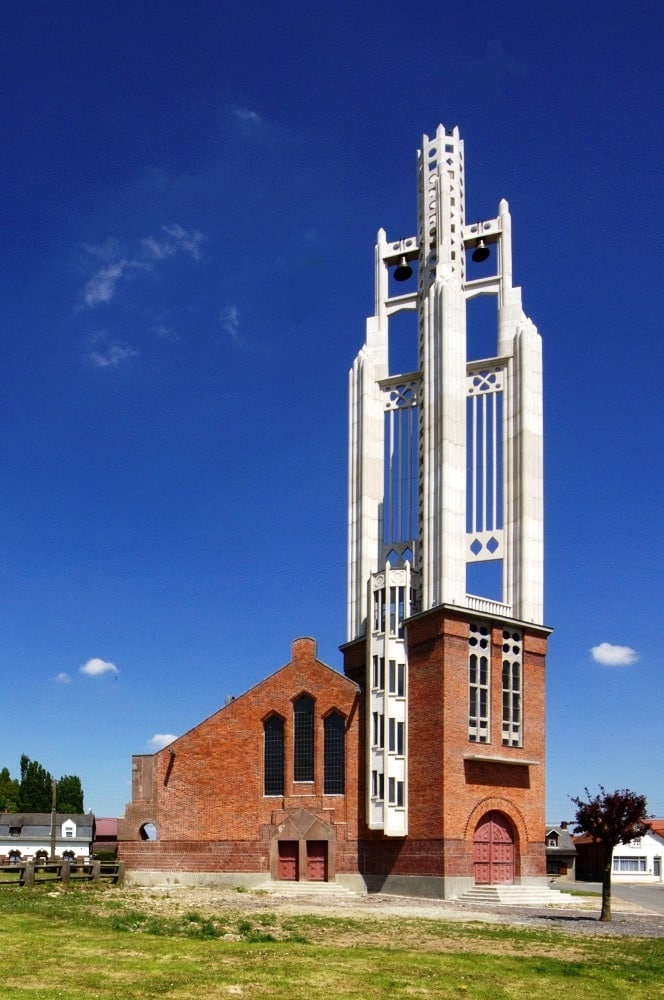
[
  {"x": 106, "y": 826},
  {"x": 656, "y": 825}
]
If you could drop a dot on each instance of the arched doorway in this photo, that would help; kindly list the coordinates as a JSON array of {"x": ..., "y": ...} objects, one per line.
[{"x": 493, "y": 850}]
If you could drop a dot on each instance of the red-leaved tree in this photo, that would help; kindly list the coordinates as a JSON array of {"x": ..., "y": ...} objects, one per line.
[{"x": 610, "y": 818}]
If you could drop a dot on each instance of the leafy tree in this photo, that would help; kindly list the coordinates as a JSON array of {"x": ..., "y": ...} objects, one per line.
[
  {"x": 34, "y": 792},
  {"x": 610, "y": 818},
  {"x": 8, "y": 792},
  {"x": 70, "y": 794},
  {"x": 36, "y": 788}
]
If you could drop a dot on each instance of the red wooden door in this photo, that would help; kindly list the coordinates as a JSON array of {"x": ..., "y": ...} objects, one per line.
[
  {"x": 288, "y": 855},
  {"x": 317, "y": 860},
  {"x": 494, "y": 850}
]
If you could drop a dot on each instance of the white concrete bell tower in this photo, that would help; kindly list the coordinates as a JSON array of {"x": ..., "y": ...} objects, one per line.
[{"x": 445, "y": 466}]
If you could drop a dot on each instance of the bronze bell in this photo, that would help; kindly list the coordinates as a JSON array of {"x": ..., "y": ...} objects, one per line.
[
  {"x": 403, "y": 271},
  {"x": 481, "y": 252}
]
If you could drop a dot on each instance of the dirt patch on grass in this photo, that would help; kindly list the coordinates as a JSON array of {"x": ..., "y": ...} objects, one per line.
[{"x": 363, "y": 920}]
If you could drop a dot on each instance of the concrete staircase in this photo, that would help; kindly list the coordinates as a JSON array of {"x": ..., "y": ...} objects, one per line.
[{"x": 519, "y": 895}]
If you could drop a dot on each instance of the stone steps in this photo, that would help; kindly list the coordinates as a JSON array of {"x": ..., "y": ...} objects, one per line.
[{"x": 518, "y": 895}]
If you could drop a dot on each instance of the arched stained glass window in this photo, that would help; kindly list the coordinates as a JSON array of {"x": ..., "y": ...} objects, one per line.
[
  {"x": 334, "y": 731},
  {"x": 303, "y": 744},
  {"x": 273, "y": 751}
]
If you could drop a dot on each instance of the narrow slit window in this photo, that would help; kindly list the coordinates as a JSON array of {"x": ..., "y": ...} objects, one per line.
[
  {"x": 273, "y": 751},
  {"x": 334, "y": 733},
  {"x": 303, "y": 743}
]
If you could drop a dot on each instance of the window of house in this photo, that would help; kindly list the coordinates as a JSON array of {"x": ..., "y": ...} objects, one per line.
[
  {"x": 377, "y": 785},
  {"x": 379, "y": 611},
  {"x": 397, "y": 604},
  {"x": 334, "y": 729},
  {"x": 395, "y": 792},
  {"x": 377, "y": 729},
  {"x": 14, "y": 831},
  {"x": 478, "y": 683},
  {"x": 378, "y": 673},
  {"x": 395, "y": 741},
  {"x": 273, "y": 754},
  {"x": 511, "y": 675},
  {"x": 397, "y": 678},
  {"x": 623, "y": 864},
  {"x": 552, "y": 840},
  {"x": 303, "y": 741}
]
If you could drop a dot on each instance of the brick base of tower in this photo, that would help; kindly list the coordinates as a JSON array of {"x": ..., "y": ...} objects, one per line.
[{"x": 458, "y": 788}]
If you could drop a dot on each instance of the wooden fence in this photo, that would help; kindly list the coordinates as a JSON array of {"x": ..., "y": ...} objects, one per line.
[{"x": 67, "y": 872}]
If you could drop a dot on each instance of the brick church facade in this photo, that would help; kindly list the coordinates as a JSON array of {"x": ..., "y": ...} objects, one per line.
[{"x": 420, "y": 769}]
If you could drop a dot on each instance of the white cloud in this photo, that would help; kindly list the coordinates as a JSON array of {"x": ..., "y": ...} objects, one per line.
[
  {"x": 63, "y": 678},
  {"x": 175, "y": 240},
  {"x": 109, "y": 353},
  {"x": 246, "y": 115},
  {"x": 614, "y": 656},
  {"x": 95, "y": 667},
  {"x": 230, "y": 321},
  {"x": 101, "y": 287},
  {"x": 164, "y": 332},
  {"x": 161, "y": 740}
]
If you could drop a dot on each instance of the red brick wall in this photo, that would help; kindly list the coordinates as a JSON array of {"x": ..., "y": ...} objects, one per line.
[
  {"x": 206, "y": 788},
  {"x": 448, "y": 794},
  {"x": 204, "y": 792}
]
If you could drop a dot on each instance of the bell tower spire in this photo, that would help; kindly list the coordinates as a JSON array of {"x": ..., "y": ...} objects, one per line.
[{"x": 445, "y": 470}]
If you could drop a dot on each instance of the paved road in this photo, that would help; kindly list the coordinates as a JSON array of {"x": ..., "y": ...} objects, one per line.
[{"x": 649, "y": 896}]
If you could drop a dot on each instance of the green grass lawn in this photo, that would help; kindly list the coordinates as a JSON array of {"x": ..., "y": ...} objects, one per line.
[{"x": 89, "y": 942}]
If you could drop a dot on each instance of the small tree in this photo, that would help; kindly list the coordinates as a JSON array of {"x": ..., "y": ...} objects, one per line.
[
  {"x": 610, "y": 818},
  {"x": 8, "y": 792}
]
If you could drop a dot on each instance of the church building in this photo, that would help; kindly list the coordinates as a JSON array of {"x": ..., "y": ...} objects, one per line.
[{"x": 420, "y": 770}]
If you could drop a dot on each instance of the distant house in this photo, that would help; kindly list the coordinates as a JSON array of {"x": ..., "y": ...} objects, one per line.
[
  {"x": 27, "y": 836},
  {"x": 560, "y": 853},
  {"x": 106, "y": 835},
  {"x": 638, "y": 861}
]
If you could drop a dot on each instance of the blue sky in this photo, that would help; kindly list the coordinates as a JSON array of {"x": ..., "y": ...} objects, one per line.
[{"x": 190, "y": 197}]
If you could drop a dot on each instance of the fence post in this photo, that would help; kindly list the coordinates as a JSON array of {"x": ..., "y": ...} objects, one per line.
[
  {"x": 29, "y": 873},
  {"x": 96, "y": 871},
  {"x": 66, "y": 871}
]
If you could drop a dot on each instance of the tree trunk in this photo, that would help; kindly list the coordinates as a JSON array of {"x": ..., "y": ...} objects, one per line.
[{"x": 606, "y": 883}]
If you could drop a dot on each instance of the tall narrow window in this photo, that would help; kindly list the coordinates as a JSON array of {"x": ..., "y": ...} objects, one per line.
[
  {"x": 378, "y": 729},
  {"x": 333, "y": 731},
  {"x": 397, "y": 678},
  {"x": 395, "y": 796},
  {"x": 478, "y": 684},
  {"x": 303, "y": 748},
  {"x": 377, "y": 785},
  {"x": 512, "y": 660},
  {"x": 273, "y": 752}
]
